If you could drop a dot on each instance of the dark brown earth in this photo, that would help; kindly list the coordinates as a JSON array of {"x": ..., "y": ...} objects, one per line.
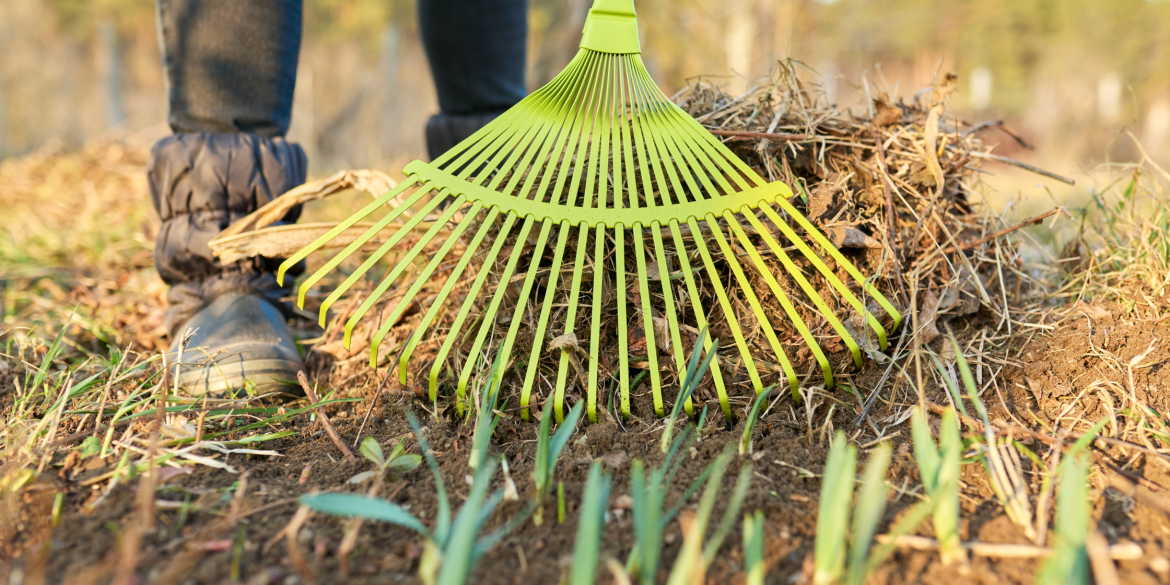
[{"x": 1085, "y": 352}]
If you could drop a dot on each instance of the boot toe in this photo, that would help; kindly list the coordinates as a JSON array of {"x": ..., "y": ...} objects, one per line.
[{"x": 239, "y": 339}]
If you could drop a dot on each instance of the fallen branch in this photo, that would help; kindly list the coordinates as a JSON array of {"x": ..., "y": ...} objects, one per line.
[
  {"x": 1004, "y": 232},
  {"x": 1122, "y": 551},
  {"x": 329, "y": 430},
  {"x": 1023, "y": 165},
  {"x": 1001, "y": 126},
  {"x": 767, "y": 135}
]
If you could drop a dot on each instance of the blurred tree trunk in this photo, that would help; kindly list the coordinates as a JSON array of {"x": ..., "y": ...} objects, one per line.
[{"x": 111, "y": 69}]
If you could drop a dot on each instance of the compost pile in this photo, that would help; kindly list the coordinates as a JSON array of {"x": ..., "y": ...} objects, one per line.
[{"x": 894, "y": 189}]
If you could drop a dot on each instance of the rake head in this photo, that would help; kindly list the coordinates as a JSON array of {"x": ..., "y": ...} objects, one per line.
[{"x": 597, "y": 169}]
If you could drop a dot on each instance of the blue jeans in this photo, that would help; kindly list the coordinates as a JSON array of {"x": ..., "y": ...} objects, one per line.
[
  {"x": 231, "y": 69},
  {"x": 231, "y": 64}
]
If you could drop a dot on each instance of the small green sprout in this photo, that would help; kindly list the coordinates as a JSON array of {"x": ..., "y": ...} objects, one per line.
[
  {"x": 1069, "y": 563},
  {"x": 692, "y": 563},
  {"x": 1007, "y": 484},
  {"x": 833, "y": 513},
  {"x": 561, "y": 502},
  {"x": 745, "y": 443},
  {"x": 398, "y": 464},
  {"x": 939, "y": 469},
  {"x": 586, "y": 551},
  {"x": 696, "y": 369},
  {"x": 871, "y": 503},
  {"x": 753, "y": 547},
  {"x": 548, "y": 451},
  {"x": 842, "y": 549},
  {"x": 452, "y": 546},
  {"x": 648, "y": 492},
  {"x": 486, "y": 420}
]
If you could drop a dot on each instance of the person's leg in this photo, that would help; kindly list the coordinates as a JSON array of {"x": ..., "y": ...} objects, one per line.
[
  {"x": 477, "y": 54},
  {"x": 230, "y": 68}
]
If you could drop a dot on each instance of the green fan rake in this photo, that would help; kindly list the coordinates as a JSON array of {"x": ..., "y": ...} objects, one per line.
[{"x": 599, "y": 157}]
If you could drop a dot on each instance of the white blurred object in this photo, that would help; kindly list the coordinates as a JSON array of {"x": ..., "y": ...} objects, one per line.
[
  {"x": 1157, "y": 127},
  {"x": 829, "y": 82},
  {"x": 1109, "y": 97},
  {"x": 980, "y": 88},
  {"x": 738, "y": 44}
]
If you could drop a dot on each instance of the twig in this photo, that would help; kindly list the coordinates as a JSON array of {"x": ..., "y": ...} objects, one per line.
[
  {"x": 1023, "y": 165},
  {"x": 1004, "y": 232},
  {"x": 1104, "y": 573},
  {"x": 890, "y": 215},
  {"x": 329, "y": 430},
  {"x": 1122, "y": 551},
  {"x": 767, "y": 135},
  {"x": 382, "y": 386},
  {"x": 1001, "y": 126}
]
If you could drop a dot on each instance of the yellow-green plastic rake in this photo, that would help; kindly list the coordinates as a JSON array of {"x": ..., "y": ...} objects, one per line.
[{"x": 602, "y": 159}]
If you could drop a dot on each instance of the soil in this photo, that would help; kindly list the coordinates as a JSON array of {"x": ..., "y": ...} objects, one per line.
[{"x": 1067, "y": 372}]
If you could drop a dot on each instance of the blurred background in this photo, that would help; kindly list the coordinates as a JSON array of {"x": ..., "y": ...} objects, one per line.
[{"x": 1070, "y": 75}]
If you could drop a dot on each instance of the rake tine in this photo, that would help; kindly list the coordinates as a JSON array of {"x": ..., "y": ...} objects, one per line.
[
  {"x": 571, "y": 318},
  {"x": 700, "y": 315},
  {"x": 851, "y": 298},
  {"x": 638, "y": 140},
  {"x": 419, "y": 282},
  {"x": 680, "y": 362},
  {"x": 348, "y": 223},
  {"x": 622, "y": 322},
  {"x": 505, "y": 351},
  {"x": 439, "y": 301},
  {"x": 725, "y": 303},
  {"x": 699, "y": 157},
  {"x": 651, "y": 144},
  {"x": 810, "y": 341},
  {"x": 845, "y": 263},
  {"x": 496, "y": 141},
  {"x": 648, "y": 321},
  {"x": 545, "y": 310},
  {"x": 595, "y": 321},
  {"x": 754, "y": 302},
  {"x": 796, "y": 273},
  {"x": 358, "y": 243},
  {"x": 457, "y": 327},
  {"x": 389, "y": 244}
]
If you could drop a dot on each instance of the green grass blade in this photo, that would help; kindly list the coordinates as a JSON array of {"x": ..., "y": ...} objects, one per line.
[
  {"x": 753, "y": 547},
  {"x": 540, "y": 467},
  {"x": 1069, "y": 564},
  {"x": 360, "y": 506},
  {"x": 951, "y": 387},
  {"x": 833, "y": 511},
  {"x": 925, "y": 452},
  {"x": 443, "y": 516},
  {"x": 688, "y": 566},
  {"x": 745, "y": 442},
  {"x": 561, "y": 438},
  {"x": 458, "y": 554},
  {"x": 871, "y": 503},
  {"x": 946, "y": 493},
  {"x": 729, "y": 514},
  {"x": 586, "y": 550},
  {"x": 695, "y": 372}
]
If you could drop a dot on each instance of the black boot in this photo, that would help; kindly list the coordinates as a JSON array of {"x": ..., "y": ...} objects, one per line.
[
  {"x": 444, "y": 131},
  {"x": 200, "y": 183}
]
